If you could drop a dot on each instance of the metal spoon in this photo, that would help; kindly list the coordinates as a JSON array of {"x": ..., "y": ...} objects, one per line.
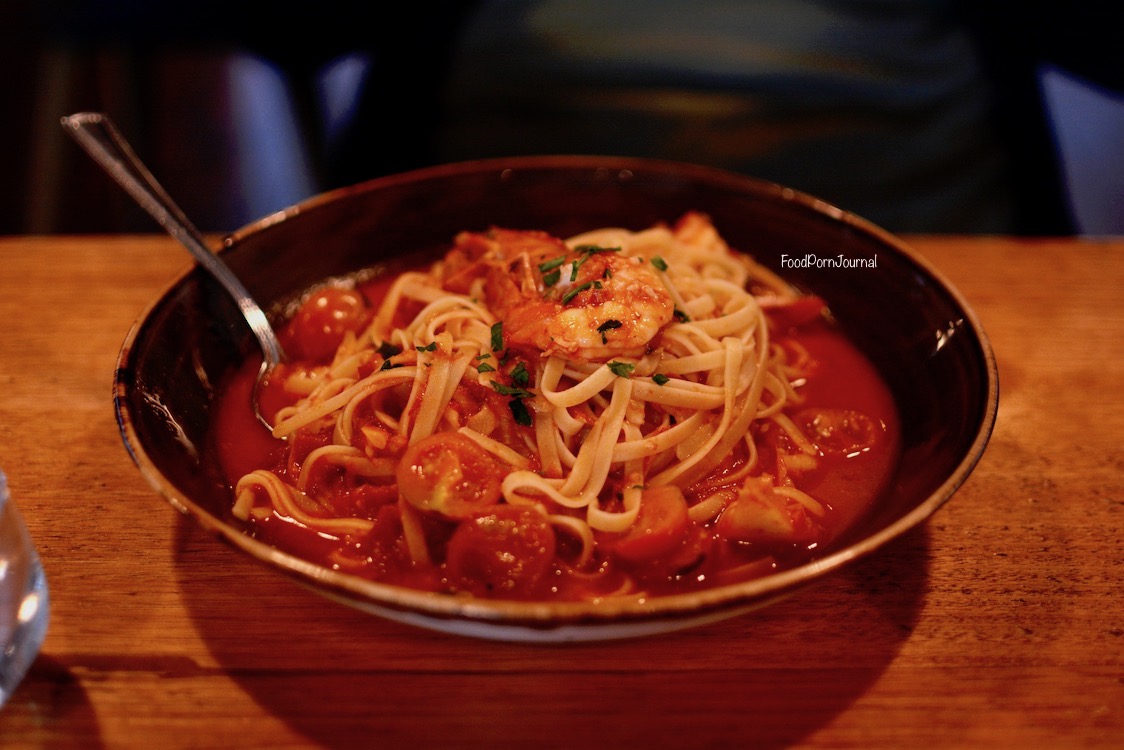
[{"x": 96, "y": 133}]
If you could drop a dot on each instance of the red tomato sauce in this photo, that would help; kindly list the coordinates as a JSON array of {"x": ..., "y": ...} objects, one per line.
[{"x": 846, "y": 409}]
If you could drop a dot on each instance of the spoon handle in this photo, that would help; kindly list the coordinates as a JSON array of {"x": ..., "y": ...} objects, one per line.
[{"x": 96, "y": 133}]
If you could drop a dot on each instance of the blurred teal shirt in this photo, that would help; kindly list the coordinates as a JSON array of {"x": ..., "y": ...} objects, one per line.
[{"x": 878, "y": 106}]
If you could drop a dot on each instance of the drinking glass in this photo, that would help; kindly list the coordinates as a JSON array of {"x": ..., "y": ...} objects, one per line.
[{"x": 24, "y": 603}]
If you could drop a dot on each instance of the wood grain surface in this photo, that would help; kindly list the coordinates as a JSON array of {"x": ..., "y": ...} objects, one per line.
[{"x": 1000, "y": 623}]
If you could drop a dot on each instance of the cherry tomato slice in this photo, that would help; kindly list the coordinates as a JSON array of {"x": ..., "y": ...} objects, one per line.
[
  {"x": 660, "y": 526},
  {"x": 320, "y": 324},
  {"x": 448, "y": 473},
  {"x": 505, "y": 551}
]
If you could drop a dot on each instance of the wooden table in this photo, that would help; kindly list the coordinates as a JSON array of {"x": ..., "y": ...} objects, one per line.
[{"x": 1000, "y": 623}]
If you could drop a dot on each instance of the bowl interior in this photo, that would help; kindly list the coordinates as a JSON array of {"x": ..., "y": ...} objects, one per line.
[{"x": 916, "y": 330}]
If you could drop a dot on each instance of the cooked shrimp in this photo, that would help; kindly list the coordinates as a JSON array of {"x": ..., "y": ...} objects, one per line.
[{"x": 587, "y": 303}]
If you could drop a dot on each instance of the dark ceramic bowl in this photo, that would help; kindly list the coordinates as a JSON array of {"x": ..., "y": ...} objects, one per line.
[{"x": 918, "y": 331}]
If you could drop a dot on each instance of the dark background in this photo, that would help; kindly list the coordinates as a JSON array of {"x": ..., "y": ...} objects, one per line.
[{"x": 163, "y": 70}]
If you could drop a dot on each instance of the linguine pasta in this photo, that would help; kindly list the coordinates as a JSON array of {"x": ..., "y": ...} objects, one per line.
[{"x": 597, "y": 374}]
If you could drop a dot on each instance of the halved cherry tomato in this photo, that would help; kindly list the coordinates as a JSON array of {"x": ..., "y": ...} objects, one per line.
[
  {"x": 448, "y": 473},
  {"x": 323, "y": 319},
  {"x": 660, "y": 526},
  {"x": 504, "y": 551}
]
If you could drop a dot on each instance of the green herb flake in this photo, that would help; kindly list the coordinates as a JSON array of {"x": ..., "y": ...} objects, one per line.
[
  {"x": 519, "y": 375},
  {"x": 578, "y": 290},
  {"x": 660, "y": 379},
  {"x": 659, "y": 263},
  {"x": 388, "y": 365},
  {"x": 621, "y": 369},
  {"x": 552, "y": 278},
  {"x": 681, "y": 316},
  {"x": 520, "y": 413},
  {"x": 552, "y": 264},
  {"x": 484, "y": 367},
  {"x": 608, "y": 325},
  {"x": 387, "y": 350},
  {"x": 507, "y": 390},
  {"x": 430, "y": 347},
  {"x": 497, "y": 336}
]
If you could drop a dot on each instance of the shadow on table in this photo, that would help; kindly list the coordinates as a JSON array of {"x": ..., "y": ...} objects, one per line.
[
  {"x": 49, "y": 692},
  {"x": 344, "y": 678}
]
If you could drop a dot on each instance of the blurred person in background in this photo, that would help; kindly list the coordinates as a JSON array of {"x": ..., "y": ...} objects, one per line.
[{"x": 920, "y": 115}]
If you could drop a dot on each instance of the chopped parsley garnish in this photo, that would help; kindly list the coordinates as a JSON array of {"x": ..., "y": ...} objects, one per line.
[
  {"x": 659, "y": 263},
  {"x": 484, "y": 367},
  {"x": 579, "y": 289},
  {"x": 608, "y": 325},
  {"x": 387, "y": 350},
  {"x": 659, "y": 378},
  {"x": 621, "y": 369},
  {"x": 430, "y": 347},
  {"x": 518, "y": 409},
  {"x": 497, "y": 336},
  {"x": 507, "y": 390},
  {"x": 551, "y": 270},
  {"x": 519, "y": 375},
  {"x": 681, "y": 316},
  {"x": 552, "y": 264},
  {"x": 519, "y": 412}
]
